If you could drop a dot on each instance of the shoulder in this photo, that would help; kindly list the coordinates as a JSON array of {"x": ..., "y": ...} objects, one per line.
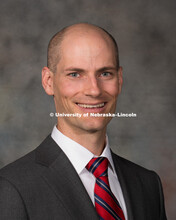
[
  {"x": 19, "y": 170},
  {"x": 127, "y": 163},
  {"x": 132, "y": 169},
  {"x": 134, "y": 174},
  {"x": 27, "y": 167},
  {"x": 140, "y": 183}
]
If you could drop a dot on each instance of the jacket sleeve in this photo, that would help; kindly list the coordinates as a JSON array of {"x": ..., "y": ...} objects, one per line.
[
  {"x": 11, "y": 203},
  {"x": 162, "y": 206}
]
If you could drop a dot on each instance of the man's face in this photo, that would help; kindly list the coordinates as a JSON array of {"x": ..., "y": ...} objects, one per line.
[{"x": 87, "y": 81}]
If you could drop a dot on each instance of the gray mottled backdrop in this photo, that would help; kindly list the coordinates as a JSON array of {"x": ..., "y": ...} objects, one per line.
[{"x": 145, "y": 31}]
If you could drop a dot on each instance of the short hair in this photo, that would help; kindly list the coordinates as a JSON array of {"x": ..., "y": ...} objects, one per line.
[{"x": 53, "y": 56}]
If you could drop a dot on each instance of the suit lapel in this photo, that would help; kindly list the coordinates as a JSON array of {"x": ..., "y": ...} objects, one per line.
[
  {"x": 62, "y": 178},
  {"x": 131, "y": 188}
]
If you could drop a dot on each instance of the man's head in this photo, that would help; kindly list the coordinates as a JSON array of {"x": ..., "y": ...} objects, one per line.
[
  {"x": 83, "y": 75},
  {"x": 54, "y": 46}
]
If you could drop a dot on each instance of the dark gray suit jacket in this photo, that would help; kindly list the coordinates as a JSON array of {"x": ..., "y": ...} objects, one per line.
[{"x": 43, "y": 185}]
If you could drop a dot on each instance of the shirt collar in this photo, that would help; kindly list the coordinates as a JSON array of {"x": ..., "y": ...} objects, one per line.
[{"x": 78, "y": 155}]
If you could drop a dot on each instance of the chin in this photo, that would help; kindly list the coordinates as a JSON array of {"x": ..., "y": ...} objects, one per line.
[{"x": 95, "y": 125}]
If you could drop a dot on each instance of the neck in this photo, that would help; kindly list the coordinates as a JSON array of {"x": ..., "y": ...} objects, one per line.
[{"x": 93, "y": 141}]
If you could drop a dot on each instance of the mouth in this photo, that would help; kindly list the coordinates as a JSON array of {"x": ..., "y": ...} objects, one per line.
[{"x": 91, "y": 106}]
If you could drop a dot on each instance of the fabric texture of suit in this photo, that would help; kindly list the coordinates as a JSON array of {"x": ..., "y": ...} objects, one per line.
[{"x": 43, "y": 185}]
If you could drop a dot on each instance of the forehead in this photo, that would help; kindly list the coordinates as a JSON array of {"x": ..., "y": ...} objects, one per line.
[{"x": 87, "y": 46}]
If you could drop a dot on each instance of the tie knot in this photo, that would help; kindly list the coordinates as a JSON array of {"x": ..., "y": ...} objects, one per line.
[{"x": 98, "y": 166}]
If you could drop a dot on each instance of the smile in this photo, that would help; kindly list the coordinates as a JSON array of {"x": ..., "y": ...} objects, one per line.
[{"x": 92, "y": 106}]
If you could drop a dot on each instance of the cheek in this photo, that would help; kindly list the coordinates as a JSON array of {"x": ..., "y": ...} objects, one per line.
[
  {"x": 112, "y": 89},
  {"x": 65, "y": 89}
]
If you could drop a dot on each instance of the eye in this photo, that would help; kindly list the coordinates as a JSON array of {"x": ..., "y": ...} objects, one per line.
[
  {"x": 74, "y": 75},
  {"x": 106, "y": 74}
]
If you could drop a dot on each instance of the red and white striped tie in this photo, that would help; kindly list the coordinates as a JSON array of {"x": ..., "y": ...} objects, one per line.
[{"x": 106, "y": 204}]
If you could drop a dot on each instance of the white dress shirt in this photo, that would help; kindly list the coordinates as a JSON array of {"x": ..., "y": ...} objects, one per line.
[{"x": 79, "y": 156}]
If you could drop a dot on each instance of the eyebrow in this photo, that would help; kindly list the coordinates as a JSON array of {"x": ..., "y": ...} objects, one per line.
[
  {"x": 105, "y": 68},
  {"x": 74, "y": 69}
]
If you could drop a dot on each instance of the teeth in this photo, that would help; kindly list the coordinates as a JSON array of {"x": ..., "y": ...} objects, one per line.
[{"x": 91, "y": 106}]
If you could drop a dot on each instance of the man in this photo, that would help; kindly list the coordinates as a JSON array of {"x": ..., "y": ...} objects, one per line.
[{"x": 73, "y": 174}]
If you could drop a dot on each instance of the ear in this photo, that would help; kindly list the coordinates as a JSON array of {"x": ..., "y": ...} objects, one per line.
[
  {"x": 47, "y": 80},
  {"x": 120, "y": 79}
]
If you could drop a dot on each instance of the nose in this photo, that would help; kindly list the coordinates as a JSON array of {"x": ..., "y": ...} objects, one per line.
[{"x": 92, "y": 87}]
